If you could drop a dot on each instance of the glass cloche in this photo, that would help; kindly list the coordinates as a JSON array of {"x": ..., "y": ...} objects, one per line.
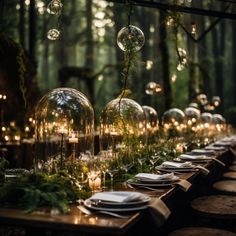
[
  {"x": 122, "y": 125},
  {"x": 152, "y": 122},
  {"x": 173, "y": 120},
  {"x": 64, "y": 129},
  {"x": 192, "y": 117}
]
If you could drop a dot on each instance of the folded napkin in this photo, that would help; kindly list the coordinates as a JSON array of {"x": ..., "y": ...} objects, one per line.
[
  {"x": 118, "y": 196},
  {"x": 192, "y": 157},
  {"x": 176, "y": 164},
  {"x": 184, "y": 184},
  {"x": 203, "y": 151},
  {"x": 159, "y": 211},
  {"x": 148, "y": 176},
  {"x": 215, "y": 148}
]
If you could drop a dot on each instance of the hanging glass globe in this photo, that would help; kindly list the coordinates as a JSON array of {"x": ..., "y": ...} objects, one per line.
[
  {"x": 130, "y": 38},
  {"x": 54, "y": 7},
  {"x": 173, "y": 120},
  {"x": 53, "y": 34},
  {"x": 202, "y": 99},
  {"x": 122, "y": 126},
  {"x": 153, "y": 88},
  {"x": 152, "y": 121},
  {"x": 192, "y": 117},
  {"x": 216, "y": 101},
  {"x": 64, "y": 129}
]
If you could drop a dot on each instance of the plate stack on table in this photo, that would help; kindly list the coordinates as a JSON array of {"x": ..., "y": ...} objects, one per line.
[{"x": 153, "y": 180}]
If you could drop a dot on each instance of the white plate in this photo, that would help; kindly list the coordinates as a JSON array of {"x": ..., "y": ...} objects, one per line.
[
  {"x": 88, "y": 204},
  {"x": 181, "y": 169},
  {"x": 103, "y": 204},
  {"x": 150, "y": 183}
]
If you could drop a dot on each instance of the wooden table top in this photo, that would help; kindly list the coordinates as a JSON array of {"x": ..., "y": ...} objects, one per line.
[{"x": 96, "y": 223}]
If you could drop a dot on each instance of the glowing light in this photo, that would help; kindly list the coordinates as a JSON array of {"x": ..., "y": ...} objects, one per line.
[
  {"x": 169, "y": 21},
  {"x": 100, "y": 15},
  {"x": 149, "y": 64},
  {"x": 100, "y": 78},
  {"x": 193, "y": 28},
  {"x": 27, "y": 2},
  {"x": 173, "y": 78}
]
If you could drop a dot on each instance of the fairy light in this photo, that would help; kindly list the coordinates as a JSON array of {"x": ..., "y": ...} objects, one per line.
[
  {"x": 169, "y": 21},
  {"x": 193, "y": 28},
  {"x": 149, "y": 64}
]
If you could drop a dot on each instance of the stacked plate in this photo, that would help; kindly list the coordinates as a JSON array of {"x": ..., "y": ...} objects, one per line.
[
  {"x": 117, "y": 201},
  {"x": 194, "y": 158},
  {"x": 176, "y": 166},
  {"x": 153, "y": 180}
]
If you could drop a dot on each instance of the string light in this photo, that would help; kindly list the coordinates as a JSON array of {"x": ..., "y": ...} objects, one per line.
[
  {"x": 193, "y": 28},
  {"x": 169, "y": 21}
]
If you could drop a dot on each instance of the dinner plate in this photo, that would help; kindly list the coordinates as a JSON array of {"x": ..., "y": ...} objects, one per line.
[
  {"x": 156, "y": 181},
  {"x": 101, "y": 203},
  {"x": 135, "y": 182},
  {"x": 125, "y": 208},
  {"x": 180, "y": 169}
]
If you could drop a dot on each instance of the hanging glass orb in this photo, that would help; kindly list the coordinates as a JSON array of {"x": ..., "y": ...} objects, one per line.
[
  {"x": 122, "y": 126},
  {"x": 153, "y": 88},
  {"x": 53, "y": 34},
  {"x": 173, "y": 120},
  {"x": 216, "y": 101},
  {"x": 64, "y": 129},
  {"x": 152, "y": 121},
  {"x": 130, "y": 38},
  {"x": 54, "y": 7},
  {"x": 192, "y": 117},
  {"x": 202, "y": 99}
]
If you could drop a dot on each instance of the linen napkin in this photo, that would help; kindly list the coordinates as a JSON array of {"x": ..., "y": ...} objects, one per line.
[
  {"x": 203, "y": 151},
  {"x": 176, "y": 164},
  {"x": 159, "y": 211},
  {"x": 147, "y": 176},
  {"x": 118, "y": 196},
  {"x": 215, "y": 148},
  {"x": 193, "y": 157},
  {"x": 183, "y": 184}
]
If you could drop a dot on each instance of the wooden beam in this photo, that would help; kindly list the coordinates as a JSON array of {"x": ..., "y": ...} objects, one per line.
[{"x": 178, "y": 8}]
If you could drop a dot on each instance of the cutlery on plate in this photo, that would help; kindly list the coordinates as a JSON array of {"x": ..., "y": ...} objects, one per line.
[{"x": 88, "y": 212}]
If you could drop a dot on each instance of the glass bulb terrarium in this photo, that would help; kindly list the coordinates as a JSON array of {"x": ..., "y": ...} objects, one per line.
[
  {"x": 192, "y": 118},
  {"x": 64, "y": 129},
  {"x": 152, "y": 122},
  {"x": 173, "y": 121},
  {"x": 122, "y": 126}
]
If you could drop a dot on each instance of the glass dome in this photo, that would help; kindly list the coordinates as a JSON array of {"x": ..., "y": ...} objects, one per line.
[
  {"x": 152, "y": 121},
  {"x": 192, "y": 117},
  {"x": 64, "y": 129},
  {"x": 173, "y": 119},
  {"x": 219, "y": 122},
  {"x": 122, "y": 125}
]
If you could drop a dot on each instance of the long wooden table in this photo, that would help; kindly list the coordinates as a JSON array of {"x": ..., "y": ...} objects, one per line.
[{"x": 98, "y": 224}]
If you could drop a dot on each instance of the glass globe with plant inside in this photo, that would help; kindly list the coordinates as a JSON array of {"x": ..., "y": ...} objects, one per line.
[
  {"x": 173, "y": 121},
  {"x": 64, "y": 130}
]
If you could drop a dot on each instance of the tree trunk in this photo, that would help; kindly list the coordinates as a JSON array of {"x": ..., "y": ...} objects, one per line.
[
  {"x": 204, "y": 80},
  {"x": 32, "y": 30},
  {"x": 89, "y": 51},
  {"x": 218, "y": 50},
  {"x": 165, "y": 62},
  {"x": 233, "y": 77},
  {"x": 145, "y": 75},
  {"x": 119, "y": 55},
  {"x": 22, "y": 24}
]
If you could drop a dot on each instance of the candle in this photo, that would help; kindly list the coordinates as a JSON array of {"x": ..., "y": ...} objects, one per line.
[{"x": 73, "y": 138}]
